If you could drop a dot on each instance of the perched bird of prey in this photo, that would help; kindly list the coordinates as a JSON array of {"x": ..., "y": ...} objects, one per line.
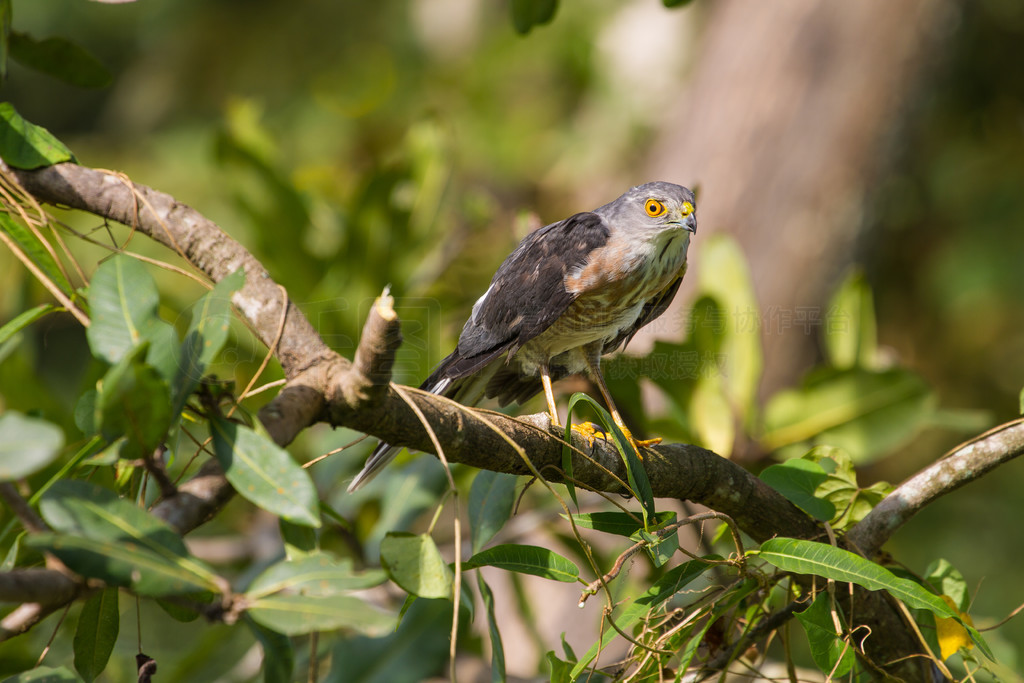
[{"x": 571, "y": 292}]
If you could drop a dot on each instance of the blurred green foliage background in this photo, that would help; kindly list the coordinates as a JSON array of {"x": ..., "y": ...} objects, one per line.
[{"x": 352, "y": 145}]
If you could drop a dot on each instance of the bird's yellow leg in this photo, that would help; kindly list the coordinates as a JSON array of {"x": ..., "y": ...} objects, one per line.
[
  {"x": 595, "y": 371},
  {"x": 545, "y": 379}
]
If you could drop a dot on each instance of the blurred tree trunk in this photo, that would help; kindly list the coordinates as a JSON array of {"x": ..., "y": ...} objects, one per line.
[{"x": 793, "y": 110}]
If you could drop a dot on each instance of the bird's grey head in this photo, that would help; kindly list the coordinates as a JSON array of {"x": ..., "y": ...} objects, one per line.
[{"x": 658, "y": 206}]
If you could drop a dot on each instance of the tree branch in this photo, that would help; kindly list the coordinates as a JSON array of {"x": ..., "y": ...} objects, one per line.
[
  {"x": 969, "y": 461},
  {"x": 323, "y": 386}
]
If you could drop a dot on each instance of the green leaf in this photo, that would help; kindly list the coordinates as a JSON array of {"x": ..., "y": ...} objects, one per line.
[
  {"x": 87, "y": 511},
  {"x": 676, "y": 3},
  {"x": 299, "y": 541},
  {"x": 26, "y": 145},
  {"x": 798, "y": 480},
  {"x": 263, "y": 473},
  {"x": 948, "y": 579},
  {"x": 27, "y": 445},
  {"x": 207, "y": 332},
  {"x": 725, "y": 277},
  {"x": 850, "y": 331},
  {"x": 820, "y": 559},
  {"x": 840, "y": 488},
  {"x": 133, "y": 401},
  {"x": 640, "y": 485},
  {"x": 491, "y": 498},
  {"x": 414, "y": 562},
  {"x": 96, "y": 634},
  {"x": 529, "y": 13},
  {"x": 660, "y": 546},
  {"x": 829, "y": 651},
  {"x": 11, "y": 558},
  {"x": 618, "y": 523},
  {"x": 865, "y": 413},
  {"x": 24, "y": 319},
  {"x": 497, "y": 649},
  {"x": 121, "y": 564},
  {"x": 526, "y": 559},
  {"x": 560, "y": 671},
  {"x": 416, "y": 651},
  {"x": 1022, "y": 401},
  {"x": 278, "y": 653},
  {"x": 36, "y": 251},
  {"x": 44, "y": 674},
  {"x": 300, "y": 614},
  {"x": 318, "y": 574},
  {"x": 61, "y": 59},
  {"x": 711, "y": 417},
  {"x": 123, "y": 299}
]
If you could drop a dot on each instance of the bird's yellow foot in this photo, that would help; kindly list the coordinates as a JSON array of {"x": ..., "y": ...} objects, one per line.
[{"x": 590, "y": 431}]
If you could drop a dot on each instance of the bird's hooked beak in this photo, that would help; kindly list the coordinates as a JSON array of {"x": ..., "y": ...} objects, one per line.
[
  {"x": 686, "y": 217},
  {"x": 690, "y": 222}
]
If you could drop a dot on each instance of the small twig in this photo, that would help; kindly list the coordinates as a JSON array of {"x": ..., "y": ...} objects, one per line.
[
  {"x": 965, "y": 463},
  {"x": 29, "y": 519},
  {"x": 155, "y": 466}
]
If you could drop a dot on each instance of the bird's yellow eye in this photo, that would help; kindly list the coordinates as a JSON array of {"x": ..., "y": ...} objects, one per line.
[
  {"x": 654, "y": 208},
  {"x": 686, "y": 209}
]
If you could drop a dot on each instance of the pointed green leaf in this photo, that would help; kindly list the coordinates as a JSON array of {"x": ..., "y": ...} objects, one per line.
[
  {"x": 414, "y": 562},
  {"x": 497, "y": 649},
  {"x": 828, "y": 649},
  {"x": 278, "y": 653},
  {"x": 96, "y": 633},
  {"x": 85, "y": 510},
  {"x": 61, "y": 59},
  {"x": 27, "y": 445},
  {"x": 949, "y": 581},
  {"x": 31, "y": 245},
  {"x": 318, "y": 574},
  {"x": 121, "y": 563},
  {"x": 26, "y": 145},
  {"x": 123, "y": 299},
  {"x": 23, "y": 320},
  {"x": 798, "y": 480},
  {"x": 639, "y": 484},
  {"x": 526, "y": 559},
  {"x": 850, "y": 332},
  {"x": 299, "y": 614},
  {"x": 725, "y": 277},
  {"x": 133, "y": 401},
  {"x": 209, "y": 328},
  {"x": 820, "y": 559},
  {"x": 491, "y": 498},
  {"x": 711, "y": 417},
  {"x": 264, "y": 474},
  {"x": 618, "y": 523},
  {"x": 851, "y": 502}
]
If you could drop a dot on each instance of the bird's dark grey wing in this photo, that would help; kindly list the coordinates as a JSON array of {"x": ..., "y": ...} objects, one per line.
[
  {"x": 652, "y": 310},
  {"x": 526, "y": 295}
]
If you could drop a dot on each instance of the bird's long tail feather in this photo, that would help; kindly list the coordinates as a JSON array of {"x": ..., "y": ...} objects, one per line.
[{"x": 384, "y": 453}]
